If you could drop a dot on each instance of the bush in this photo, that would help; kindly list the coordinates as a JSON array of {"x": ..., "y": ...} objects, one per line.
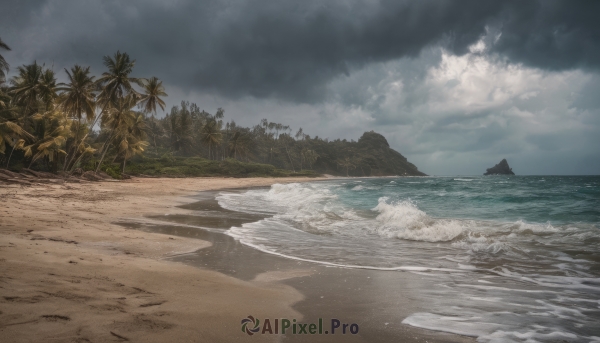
[{"x": 172, "y": 166}]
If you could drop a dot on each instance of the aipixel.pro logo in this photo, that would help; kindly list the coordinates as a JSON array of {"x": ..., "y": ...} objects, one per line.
[{"x": 251, "y": 326}]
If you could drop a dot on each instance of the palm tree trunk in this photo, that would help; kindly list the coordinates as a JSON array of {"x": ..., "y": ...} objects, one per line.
[
  {"x": 124, "y": 162},
  {"x": 9, "y": 157},
  {"x": 88, "y": 133},
  {"x": 76, "y": 161},
  {"x": 74, "y": 150},
  {"x": 288, "y": 153},
  {"x": 107, "y": 146}
]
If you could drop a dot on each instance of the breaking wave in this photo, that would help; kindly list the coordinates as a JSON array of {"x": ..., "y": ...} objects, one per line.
[{"x": 405, "y": 221}]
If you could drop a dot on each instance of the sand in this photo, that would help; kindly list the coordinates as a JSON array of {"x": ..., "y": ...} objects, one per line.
[
  {"x": 79, "y": 264},
  {"x": 69, "y": 274}
]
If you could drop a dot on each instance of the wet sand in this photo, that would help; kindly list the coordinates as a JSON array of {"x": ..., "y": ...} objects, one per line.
[{"x": 377, "y": 301}]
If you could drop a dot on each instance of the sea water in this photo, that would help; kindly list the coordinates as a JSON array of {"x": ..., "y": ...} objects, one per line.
[{"x": 509, "y": 258}]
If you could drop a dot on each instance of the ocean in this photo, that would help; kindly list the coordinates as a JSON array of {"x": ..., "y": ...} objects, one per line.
[{"x": 506, "y": 258}]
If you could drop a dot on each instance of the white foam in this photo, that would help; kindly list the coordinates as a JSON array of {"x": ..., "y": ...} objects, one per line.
[
  {"x": 405, "y": 221},
  {"x": 457, "y": 325}
]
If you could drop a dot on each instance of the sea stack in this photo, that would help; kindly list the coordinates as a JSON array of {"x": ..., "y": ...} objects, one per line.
[{"x": 501, "y": 168}]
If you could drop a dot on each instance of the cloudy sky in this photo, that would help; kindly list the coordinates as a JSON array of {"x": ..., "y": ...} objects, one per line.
[{"x": 455, "y": 86}]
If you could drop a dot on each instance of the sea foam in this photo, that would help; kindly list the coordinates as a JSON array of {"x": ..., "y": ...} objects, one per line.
[{"x": 405, "y": 221}]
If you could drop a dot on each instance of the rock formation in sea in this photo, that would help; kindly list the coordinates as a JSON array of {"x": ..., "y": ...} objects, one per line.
[{"x": 501, "y": 168}]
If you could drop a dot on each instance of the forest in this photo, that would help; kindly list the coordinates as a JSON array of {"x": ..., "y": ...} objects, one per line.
[{"x": 110, "y": 123}]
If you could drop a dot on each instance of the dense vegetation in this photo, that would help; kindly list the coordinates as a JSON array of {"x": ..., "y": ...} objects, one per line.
[{"x": 103, "y": 123}]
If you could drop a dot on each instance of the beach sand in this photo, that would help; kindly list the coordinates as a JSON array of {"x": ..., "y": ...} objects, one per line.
[{"x": 86, "y": 262}]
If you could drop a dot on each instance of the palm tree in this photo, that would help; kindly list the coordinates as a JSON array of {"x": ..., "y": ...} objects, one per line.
[
  {"x": 114, "y": 118},
  {"x": 28, "y": 88},
  {"x": 115, "y": 86},
  {"x": 34, "y": 92},
  {"x": 211, "y": 134},
  {"x": 131, "y": 136},
  {"x": 56, "y": 130},
  {"x": 310, "y": 156},
  {"x": 79, "y": 96},
  {"x": 77, "y": 99},
  {"x": 3, "y": 64},
  {"x": 154, "y": 130},
  {"x": 235, "y": 143},
  {"x": 347, "y": 163},
  {"x": 152, "y": 91},
  {"x": 48, "y": 88},
  {"x": 178, "y": 126},
  {"x": 11, "y": 133},
  {"x": 243, "y": 144}
]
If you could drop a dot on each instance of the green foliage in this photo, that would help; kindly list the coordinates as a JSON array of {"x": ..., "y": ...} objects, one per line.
[
  {"x": 196, "y": 166},
  {"x": 113, "y": 170}
]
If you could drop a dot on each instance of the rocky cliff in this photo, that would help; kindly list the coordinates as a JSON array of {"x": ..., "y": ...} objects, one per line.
[
  {"x": 370, "y": 156},
  {"x": 501, "y": 168}
]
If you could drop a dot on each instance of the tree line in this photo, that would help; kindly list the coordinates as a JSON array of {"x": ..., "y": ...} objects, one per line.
[
  {"x": 51, "y": 125},
  {"x": 94, "y": 122}
]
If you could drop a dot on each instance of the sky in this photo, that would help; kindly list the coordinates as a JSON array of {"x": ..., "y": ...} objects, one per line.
[{"x": 455, "y": 86}]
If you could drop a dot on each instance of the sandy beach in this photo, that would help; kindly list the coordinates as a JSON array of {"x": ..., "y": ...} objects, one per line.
[{"x": 73, "y": 270}]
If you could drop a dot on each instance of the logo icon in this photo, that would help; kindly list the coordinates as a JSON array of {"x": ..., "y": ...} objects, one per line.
[{"x": 249, "y": 322}]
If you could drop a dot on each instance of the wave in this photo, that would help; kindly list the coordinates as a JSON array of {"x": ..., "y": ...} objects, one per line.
[
  {"x": 317, "y": 209},
  {"x": 281, "y": 198},
  {"x": 405, "y": 221}
]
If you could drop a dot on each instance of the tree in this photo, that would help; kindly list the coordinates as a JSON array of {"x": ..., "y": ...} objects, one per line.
[
  {"x": 33, "y": 92},
  {"x": 78, "y": 94},
  {"x": 152, "y": 91},
  {"x": 114, "y": 118},
  {"x": 178, "y": 126},
  {"x": 77, "y": 99},
  {"x": 154, "y": 130},
  {"x": 34, "y": 88},
  {"x": 56, "y": 128},
  {"x": 310, "y": 156},
  {"x": 131, "y": 136},
  {"x": 346, "y": 163},
  {"x": 116, "y": 83},
  {"x": 211, "y": 134},
  {"x": 116, "y": 91},
  {"x": 11, "y": 133},
  {"x": 238, "y": 143}
]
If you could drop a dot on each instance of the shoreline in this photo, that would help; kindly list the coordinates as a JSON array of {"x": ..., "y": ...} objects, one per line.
[{"x": 70, "y": 272}]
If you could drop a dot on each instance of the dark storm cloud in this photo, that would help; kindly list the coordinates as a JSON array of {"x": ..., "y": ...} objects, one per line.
[
  {"x": 291, "y": 50},
  {"x": 551, "y": 34}
]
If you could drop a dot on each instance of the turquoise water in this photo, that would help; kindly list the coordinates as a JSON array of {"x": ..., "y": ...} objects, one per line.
[
  {"x": 554, "y": 199},
  {"x": 510, "y": 259}
]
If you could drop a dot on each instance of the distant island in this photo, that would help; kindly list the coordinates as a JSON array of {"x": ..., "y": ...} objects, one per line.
[{"x": 501, "y": 168}]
